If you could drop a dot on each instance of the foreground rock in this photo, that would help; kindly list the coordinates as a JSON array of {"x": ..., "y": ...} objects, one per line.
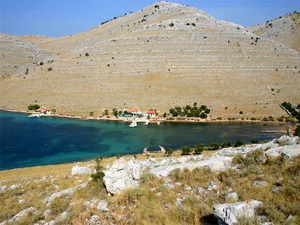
[
  {"x": 124, "y": 174},
  {"x": 66, "y": 192},
  {"x": 78, "y": 170},
  {"x": 228, "y": 214},
  {"x": 19, "y": 216}
]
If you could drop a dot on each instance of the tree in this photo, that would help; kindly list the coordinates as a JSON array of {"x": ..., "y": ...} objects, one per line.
[
  {"x": 33, "y": 107},
  {"x": 199, "y": 149},
  {"x": 226, "y": 144},
  {"x": 203, "y": 116},
  {"x": 98, "y": 176},
  {"x": 105, "y": 113},
  {"x": 50, "y": 69},
  {"x": 186, "y": 150},
  {"x": 87, "y": 54},
  {"x": 214, "y": 146},
  {"x": 91, "y": 113},
  {"x": 238, "y": 143},
  {"x": 115, "y": 112},
  {"x": 188, "y": 107},
  {"x": 207, "y": 111},
  {"x": 203, "y": 107},
  {"x": 169, "y": 152}
]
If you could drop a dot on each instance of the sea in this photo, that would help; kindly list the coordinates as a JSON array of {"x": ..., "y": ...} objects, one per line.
[{"x": 26, "y": 142}]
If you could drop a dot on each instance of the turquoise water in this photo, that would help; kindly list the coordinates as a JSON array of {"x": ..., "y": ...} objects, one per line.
[{"x": 40, "y": 141}]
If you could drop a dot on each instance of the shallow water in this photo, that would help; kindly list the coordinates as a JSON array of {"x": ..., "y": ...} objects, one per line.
[{"x": 40, "y": 141}]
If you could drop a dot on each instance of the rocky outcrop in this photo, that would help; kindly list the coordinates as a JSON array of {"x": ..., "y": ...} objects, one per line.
[
  {"x": 216, "y": 163},
  {"x": 228, "y": 214},
  {"x": 78, "y": 170},
  {"x": 19, "y": 216},
  {"x": 122, "y": 175},
  {"x": 66, "y": 192}
]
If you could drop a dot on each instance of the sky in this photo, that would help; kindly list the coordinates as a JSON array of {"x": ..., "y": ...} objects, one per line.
[{"x": 59, "y": 18}]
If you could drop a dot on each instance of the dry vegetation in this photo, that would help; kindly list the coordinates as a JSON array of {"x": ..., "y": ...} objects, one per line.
[
  {"x": 150, "y": 64},
  {"x": 185, "y": 197}
]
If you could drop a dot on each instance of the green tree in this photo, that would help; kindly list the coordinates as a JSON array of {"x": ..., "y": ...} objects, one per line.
[
  {"x": 214, "y": 146},
  {"x": 186, "y": 150},
  {"x": 98, "y": 175},
  {"x": 115, "y": 112},
  {"x": 207, "y": 111},
  {"x": 199, "y": 149},
  {"x": 203, "y": 107},
  {"x": 91, "y": 113},
  {"x": 169, "y": 152},
  {"x": 106, "y": 112},
  {"x": 238, "y": 143},
  {"x": 33, "y": 107},
  {"x": 226, "y": 144},
  {"x": 50, "y": 69},
  {"x": 203, "y": 116}
]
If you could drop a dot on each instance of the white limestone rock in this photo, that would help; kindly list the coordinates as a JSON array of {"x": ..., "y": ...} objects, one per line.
[
  {"x": 68, "y": 191},
  {"x": 94, "y": 220},
  {"x": 102, "y": 206},
  {"x": 77, "y": 170},
  {"x": 3, "y": 189},
  {"x": 122, "y": 175},
  {"x": 233, "y": 196},
  {"x": 215, "y": 163},
  {"x": 229, "y": 213},
  {"x": 288, "y": 151},
  {"x": 19, "y": 216}
]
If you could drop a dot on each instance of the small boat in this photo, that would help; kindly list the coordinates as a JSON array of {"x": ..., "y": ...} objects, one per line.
[
  {"x": 35, "y": 115},
  {"x": 147, "y": 122},
  {"x": 158, "y": 123},
  {"x": 133, "y": 124}
]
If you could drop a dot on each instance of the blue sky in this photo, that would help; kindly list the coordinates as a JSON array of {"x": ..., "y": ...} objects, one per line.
[{"x": 59, "y": 18}]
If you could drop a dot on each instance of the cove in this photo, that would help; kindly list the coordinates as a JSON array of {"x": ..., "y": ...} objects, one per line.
[{"x": 26, "y": 142}]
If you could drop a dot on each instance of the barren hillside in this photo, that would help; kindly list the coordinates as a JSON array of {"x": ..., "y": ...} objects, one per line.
[
  {"x": 161, "y": 56},
  {"x": 284, "y": 29}
]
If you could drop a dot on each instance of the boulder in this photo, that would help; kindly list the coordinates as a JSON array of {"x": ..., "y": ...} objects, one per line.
[
  {"x": 215, "y": 163},
  {"x": 19, "y": 216},
  {"x": 94, "y": 220},
  {"x": 259, "y": 183},
  {"x": 102, "y": 206},
  {"x": 68, "y": 191},
  {"x": 122, "y": 175},
  {"x": 288, "y": 140},
  {"x": 228, "y": 214},
  {"x": 233, "y": 196},
  {"x": 3, "y": 189},
  {"x": 288, "y": 151},
  {"x": 77, "y": 170}
]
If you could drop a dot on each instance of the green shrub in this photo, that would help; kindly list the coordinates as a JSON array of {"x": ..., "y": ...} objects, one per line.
[
  {"x": 226, "y": 144},
  {"x": 98, "y": 175},
  {"x": 33, "y": 107},
  {"x": 199, "y": 149},
  {"x": 87, "y": 54},
  {"x": 50, "y": 69},
  {"x": 214, "y": 146},
  {"x": 238, "y": 143},
  {"x": 169, "y": 152},
  {"x": 186, "y": 150}
]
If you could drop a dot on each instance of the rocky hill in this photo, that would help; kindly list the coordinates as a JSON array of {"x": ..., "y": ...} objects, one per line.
[
  {"x": 284, "y": 29},
  {"x": 164, "y": 55},
  {"x": 253, "y": 184}
]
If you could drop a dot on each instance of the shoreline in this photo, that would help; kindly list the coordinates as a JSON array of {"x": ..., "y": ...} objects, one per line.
[{"x": 160, "y": 120}]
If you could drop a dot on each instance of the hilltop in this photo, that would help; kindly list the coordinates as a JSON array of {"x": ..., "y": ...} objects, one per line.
[
  {"x": 164, "y": 55},
  {"x": 284, "y": 29}
]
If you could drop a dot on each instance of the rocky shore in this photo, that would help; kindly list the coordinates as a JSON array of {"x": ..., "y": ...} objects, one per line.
[{"x": 130, "y": 183}]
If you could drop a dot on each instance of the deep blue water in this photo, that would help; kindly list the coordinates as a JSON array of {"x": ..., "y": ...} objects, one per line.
[{"x": 40, "y": 141}]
